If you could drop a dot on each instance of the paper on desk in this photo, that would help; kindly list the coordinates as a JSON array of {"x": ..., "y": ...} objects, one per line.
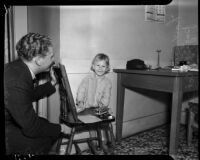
[
  {"x": 88, "y": 118},
  {"x": 194, "y": 69}
]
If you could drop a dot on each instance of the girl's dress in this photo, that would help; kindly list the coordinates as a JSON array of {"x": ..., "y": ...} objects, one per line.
[{"x": 94, "y": 91}]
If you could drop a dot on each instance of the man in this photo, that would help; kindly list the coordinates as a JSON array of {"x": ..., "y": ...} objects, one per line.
[{"x": 25, "y": 131}]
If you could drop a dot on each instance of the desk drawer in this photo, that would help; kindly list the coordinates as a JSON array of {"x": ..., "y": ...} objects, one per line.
[{"x": 152, "y": 82}]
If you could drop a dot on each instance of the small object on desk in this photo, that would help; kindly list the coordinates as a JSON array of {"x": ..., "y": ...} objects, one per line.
[
  {"x": 181, "y": 63},
  {"x": 194, "y": 69},
  {"x": 136, "y": 64},
  {"x": 183, "y": 68},
  {"x": 176, "y": 68},
  {"x": 158, "y": 60}
]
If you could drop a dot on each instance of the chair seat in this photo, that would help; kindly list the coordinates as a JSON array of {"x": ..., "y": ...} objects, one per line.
[
  {"x": 87, "y": 112},
  {"x": 90, "y": 126}
]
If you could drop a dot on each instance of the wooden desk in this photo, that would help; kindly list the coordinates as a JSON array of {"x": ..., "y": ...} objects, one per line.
[{"x": 160, "y": 80}]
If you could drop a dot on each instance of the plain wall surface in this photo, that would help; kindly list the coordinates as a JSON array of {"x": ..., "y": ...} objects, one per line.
[
  {"x": 119, "y": 31},
  {"x": 20, "y": 23}
]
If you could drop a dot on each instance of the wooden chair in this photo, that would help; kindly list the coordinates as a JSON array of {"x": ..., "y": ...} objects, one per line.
[
  {"x": 69, "y": 117},
  {"x": 192, "y": 123}
]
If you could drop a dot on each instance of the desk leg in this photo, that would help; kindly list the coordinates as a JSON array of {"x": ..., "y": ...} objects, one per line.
[
  {"x": 175, "y": 116},
  {"x": 120, "y": 107}
]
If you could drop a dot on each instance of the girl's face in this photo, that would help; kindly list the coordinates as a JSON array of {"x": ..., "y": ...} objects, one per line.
[{"x": 100, "y": 67}]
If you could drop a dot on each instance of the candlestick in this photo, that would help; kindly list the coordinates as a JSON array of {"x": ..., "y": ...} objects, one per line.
[{"x": 158, "y": 60}]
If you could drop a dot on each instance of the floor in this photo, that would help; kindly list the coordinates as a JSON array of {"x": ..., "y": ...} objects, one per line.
[{"x": 155, "y": 142}]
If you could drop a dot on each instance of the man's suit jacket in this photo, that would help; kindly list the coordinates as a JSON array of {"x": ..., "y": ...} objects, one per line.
[{"x": 25, "y": 131}]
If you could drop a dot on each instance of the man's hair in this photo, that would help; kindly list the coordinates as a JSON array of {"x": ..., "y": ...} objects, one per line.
[
  {"x": 100, "y": 57},
  {"x": 33, "y": 44}
]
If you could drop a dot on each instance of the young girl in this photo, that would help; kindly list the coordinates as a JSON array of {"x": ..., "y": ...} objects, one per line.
[{"x": 95, "y": 88}]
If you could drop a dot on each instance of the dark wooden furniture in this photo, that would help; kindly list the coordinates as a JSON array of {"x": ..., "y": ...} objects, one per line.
[
  {"x": 188, "y": 53},
  {"x": 69, "y": 117},
  {"x": 192, "y": 121},
  {"x": 162, "y": 80}
]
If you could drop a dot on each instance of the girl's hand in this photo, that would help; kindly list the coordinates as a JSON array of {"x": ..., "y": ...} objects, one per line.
[
  {"x": 53, "y": 78},
  {"x": 100, "y": 104},
  {"x": 80, "y": 107},
  {"x": 104, "y": 109}
]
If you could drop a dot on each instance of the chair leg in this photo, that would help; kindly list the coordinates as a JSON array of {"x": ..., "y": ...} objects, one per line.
[
  {"x": 69, "y": 146},
  {"x": 78, "y": 150},
  {"x": 99, "y": 137},
  {"x": 189, "y": 127},
  {"x": 103, "y": 145},
  {"x": 110, "y": 135},
  {"x": 92, "y": 147},
  {"x": 59, "y": 143}
]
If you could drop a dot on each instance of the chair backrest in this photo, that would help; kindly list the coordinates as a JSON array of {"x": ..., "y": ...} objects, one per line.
[{"x": 67, "y": 104}]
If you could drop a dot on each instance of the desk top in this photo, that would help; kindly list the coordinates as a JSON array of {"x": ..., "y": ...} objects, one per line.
[{"x": 159, "y": 72}]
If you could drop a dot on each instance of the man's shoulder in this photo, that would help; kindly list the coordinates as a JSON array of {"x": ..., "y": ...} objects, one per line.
[
  {"x": 13, "y": 65},
  {"x": 14, "y": 70}
]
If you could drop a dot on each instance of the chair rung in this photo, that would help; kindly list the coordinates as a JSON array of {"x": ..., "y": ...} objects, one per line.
[
  {"x": 66, "y": 136},
  {"x": 84, "y": 140},
  {"x": 63, "y": 143},
  {"x": 80, "y": 140}
]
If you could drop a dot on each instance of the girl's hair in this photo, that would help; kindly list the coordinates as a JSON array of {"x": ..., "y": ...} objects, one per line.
[
  {"x": 33, "y": 44},
  {"x": 100, "y": 57}
]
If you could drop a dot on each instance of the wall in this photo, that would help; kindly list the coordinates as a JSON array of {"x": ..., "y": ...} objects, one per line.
[
  {"x": 123, "y": 34},
  {"x": 20, "y": 22},
  {"x": 187, "y": 28},
  {"x": 119, "y": 31}
]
